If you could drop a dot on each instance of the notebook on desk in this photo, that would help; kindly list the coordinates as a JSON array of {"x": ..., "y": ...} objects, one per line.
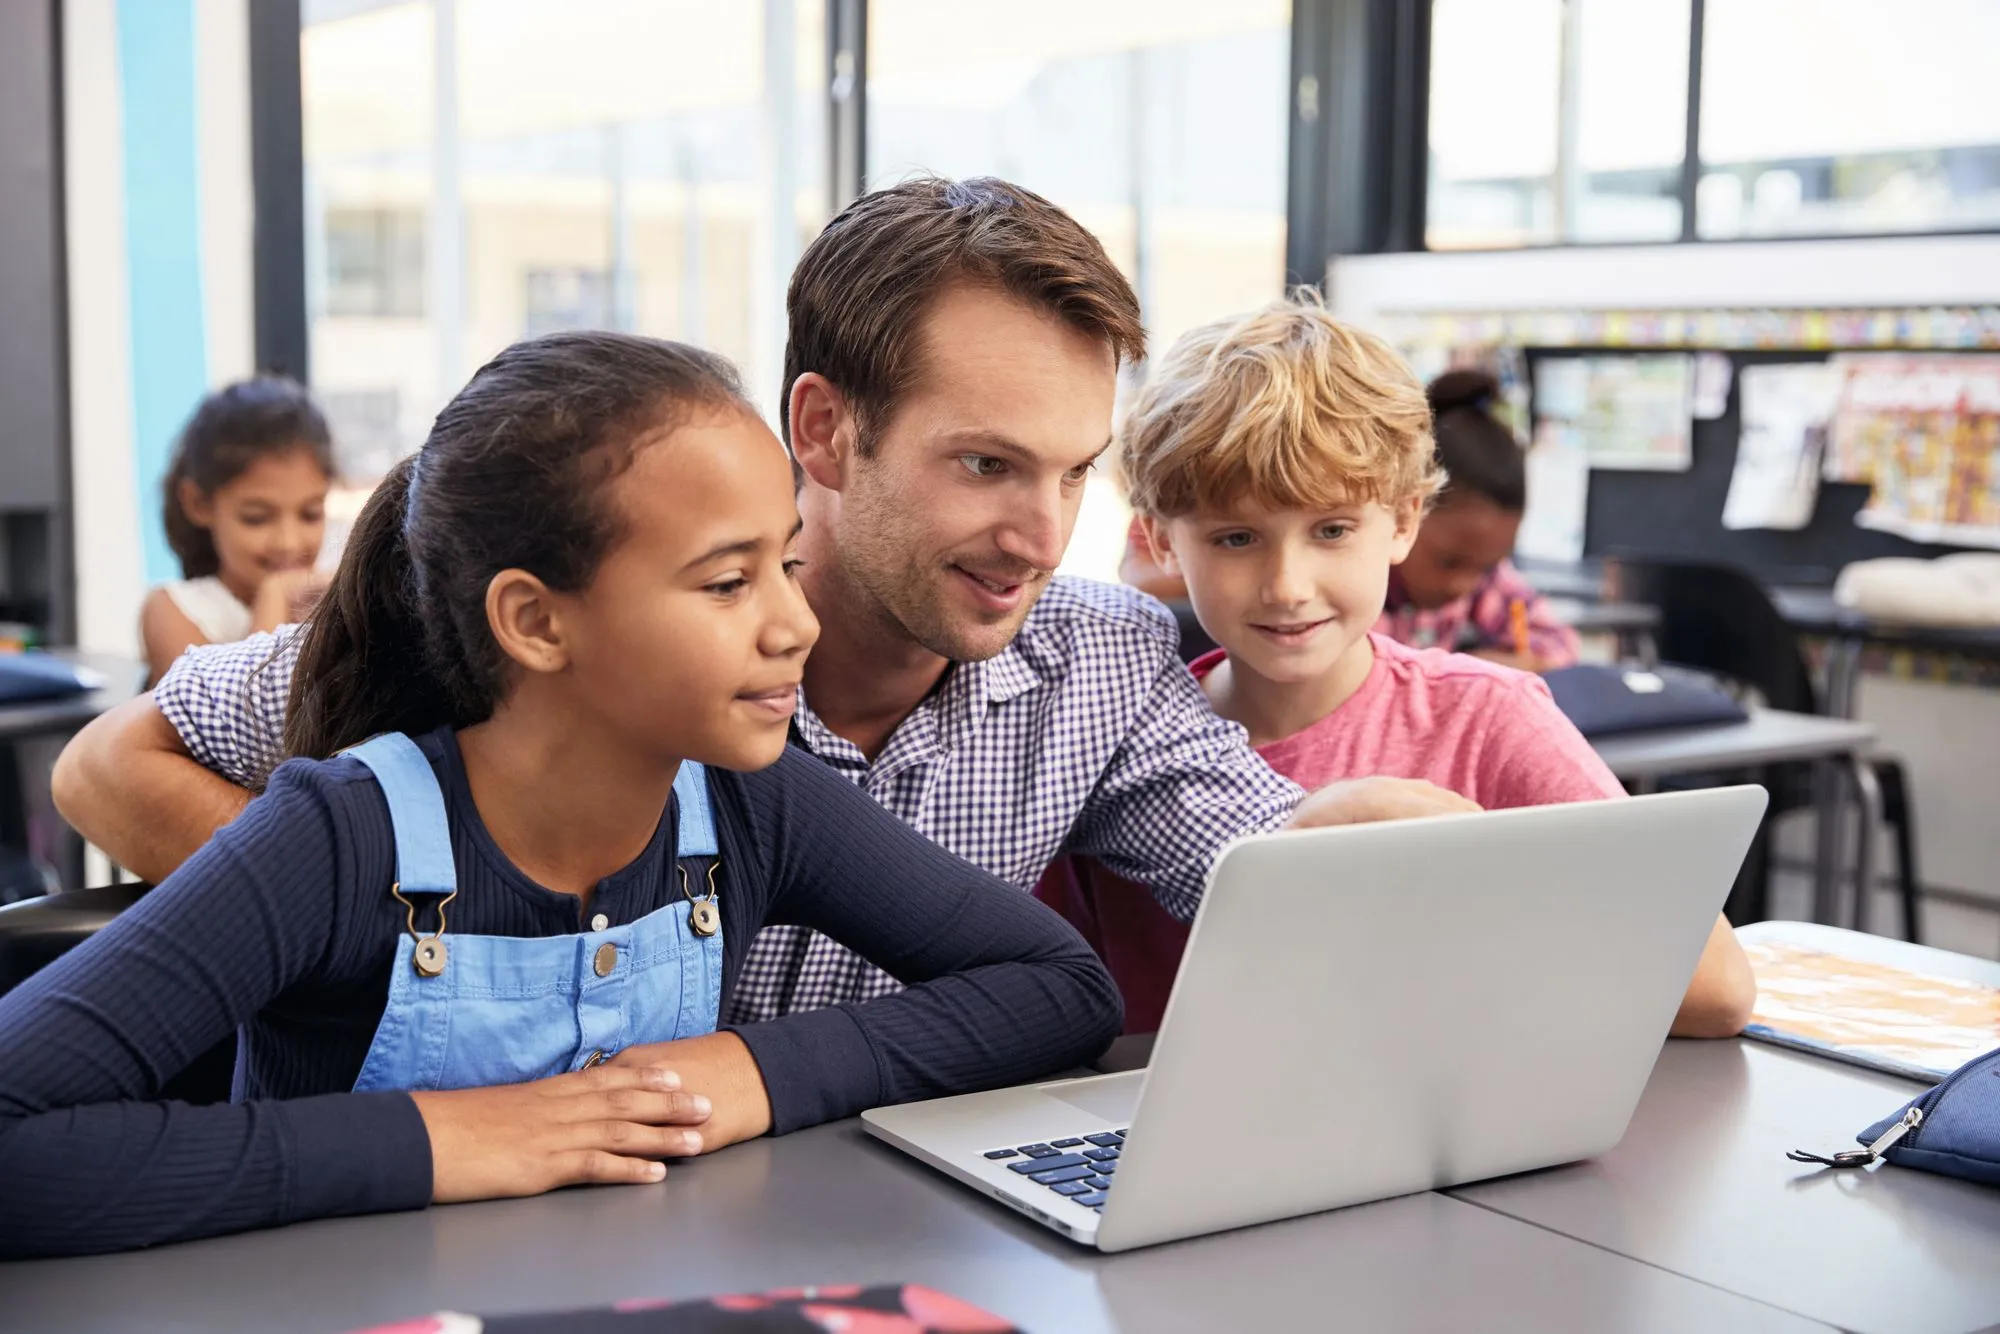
[{"x": 1871, "y": 1014}]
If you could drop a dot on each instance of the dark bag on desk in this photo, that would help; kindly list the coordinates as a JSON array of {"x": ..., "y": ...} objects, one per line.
[
  {"x": 1606, "y": 701},
  {"x": 29, "y": 676},
  {"x": 1954, "y": 1129}
]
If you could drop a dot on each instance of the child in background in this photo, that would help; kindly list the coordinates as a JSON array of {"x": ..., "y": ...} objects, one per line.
[
  {"x": 1456, "y": 590},
  {"x": 474, "y": 941},
  {"x": 1281, "y": 463},
  {"x": 245, "y": 500}
]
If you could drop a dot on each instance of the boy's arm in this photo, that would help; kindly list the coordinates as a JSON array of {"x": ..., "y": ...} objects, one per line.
[
  {"x": 127, "y": 783},
  {"x": 151, "y": 780},
  {"x": 1719, "y": 1000}
]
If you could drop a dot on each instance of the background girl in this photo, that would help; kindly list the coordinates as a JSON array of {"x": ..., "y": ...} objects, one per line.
[{"x": 245, "y": 501}]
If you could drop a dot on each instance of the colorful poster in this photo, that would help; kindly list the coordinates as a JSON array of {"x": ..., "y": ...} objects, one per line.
[
  {"x": 1923, "y": 432},
  {"x": 1628, "y": 412}
]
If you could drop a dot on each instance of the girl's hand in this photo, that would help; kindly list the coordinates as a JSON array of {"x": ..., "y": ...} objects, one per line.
[
  {"x": 286, "y": 598},
  {"x": 602, "y": 1125},
  {"x": 719, "y": 1065}
]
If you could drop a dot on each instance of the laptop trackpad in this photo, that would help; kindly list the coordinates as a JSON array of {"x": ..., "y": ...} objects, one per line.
[{"x": 1111, "y": 1097}]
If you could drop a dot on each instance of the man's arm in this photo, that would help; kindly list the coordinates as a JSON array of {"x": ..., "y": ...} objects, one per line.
[
  {"x": 128, "y": 784},
  {"x": 151, "y": 780}
]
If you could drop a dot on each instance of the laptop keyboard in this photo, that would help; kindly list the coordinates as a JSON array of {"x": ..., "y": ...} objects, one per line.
[{"x": 1082, "y": 1168}]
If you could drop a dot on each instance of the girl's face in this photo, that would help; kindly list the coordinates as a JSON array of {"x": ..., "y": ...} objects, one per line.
[
  {"x": 268, "y": 519},
  {"x": 692, "y": 638},
  {"x": 1459, "y": 544}
]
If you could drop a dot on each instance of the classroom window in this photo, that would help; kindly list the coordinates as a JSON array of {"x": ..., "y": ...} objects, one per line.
[
  {"x": 1556, "y": 121},
  {"x": 653, "y": 166},
  {"x": 1830, "y": 116},
  {"x": 1160, "y": 124}
]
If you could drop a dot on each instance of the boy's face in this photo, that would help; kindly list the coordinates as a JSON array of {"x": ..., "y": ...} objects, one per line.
[
  {"x": 1287, "y": 592},
  {"x": 1460, "y": 543}
]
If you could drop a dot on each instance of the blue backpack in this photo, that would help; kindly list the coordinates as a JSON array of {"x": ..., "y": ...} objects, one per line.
[{"x": 1954, "y": 1129}]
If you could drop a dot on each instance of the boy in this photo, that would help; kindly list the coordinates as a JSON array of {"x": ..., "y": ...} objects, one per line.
[{"x": 1282, "y": 463}]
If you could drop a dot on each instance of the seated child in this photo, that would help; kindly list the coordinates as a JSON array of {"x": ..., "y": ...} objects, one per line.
[
  {"x": 1281, "y": 463},
  {"x": 474, "y": 941},
  {"x": 1456, "y": 590},
  {"x": 245, "y": 501}
]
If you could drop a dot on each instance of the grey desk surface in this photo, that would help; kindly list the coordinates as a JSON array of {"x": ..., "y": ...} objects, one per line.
[
  {"x": 122, "y": 680},
  {"x": 1771, "y": 736},
  {"x": 830, "y": 1205},
  {"x": 1814, "y": 611},
  {"x": 1590, "y": 615}
]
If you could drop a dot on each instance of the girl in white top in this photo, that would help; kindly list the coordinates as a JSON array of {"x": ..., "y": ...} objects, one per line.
[{"x": 245, "y": 502}]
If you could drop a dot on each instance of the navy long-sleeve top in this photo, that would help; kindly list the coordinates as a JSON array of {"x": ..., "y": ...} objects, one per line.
[{"x": 283, "y": 925}]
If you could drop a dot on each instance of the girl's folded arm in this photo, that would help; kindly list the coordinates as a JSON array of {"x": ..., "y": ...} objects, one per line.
[
  {"x": 1001, "y": 989},
  {"x": 92, "y": 1159}
]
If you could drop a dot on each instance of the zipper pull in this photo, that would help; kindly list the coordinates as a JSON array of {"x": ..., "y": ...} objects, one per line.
[{"x": 1862, "y": 1157}]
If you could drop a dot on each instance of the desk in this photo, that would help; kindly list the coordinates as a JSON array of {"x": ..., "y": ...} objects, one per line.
[
  {"x": 1633, "y": 623},
  {"x": 1700, "y": 1184},
  {"x": 1838, "y": 745},
  {"x": 832, "y": 1205},
  {"x": 1813, "y": 611},
  {"x": 57, "y": 718}
]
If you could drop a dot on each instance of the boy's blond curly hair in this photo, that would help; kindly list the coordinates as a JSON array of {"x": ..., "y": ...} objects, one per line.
[{"x": 1287, "y": 407}]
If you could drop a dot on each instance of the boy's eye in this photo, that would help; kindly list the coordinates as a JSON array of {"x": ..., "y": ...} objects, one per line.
[
  {"x": 983, "y": 465},
  {"x": 1333, "y": 532},
  {"x": 1080, "y": 472},
  {"x": 1231, "y": 541},
  {"x": 734, "y": 584}
]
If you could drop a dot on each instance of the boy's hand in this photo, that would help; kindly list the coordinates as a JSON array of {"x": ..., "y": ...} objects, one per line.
[{"x": 1368, "y": 800}]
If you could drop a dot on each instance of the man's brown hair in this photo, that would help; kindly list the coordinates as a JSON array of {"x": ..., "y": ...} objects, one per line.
[{"x": 862, "y": 288}]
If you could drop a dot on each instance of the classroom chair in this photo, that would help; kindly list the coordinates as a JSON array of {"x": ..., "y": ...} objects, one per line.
[
  {"x": 36, "y": 932},
  {"x": 1719, "y": 619}
]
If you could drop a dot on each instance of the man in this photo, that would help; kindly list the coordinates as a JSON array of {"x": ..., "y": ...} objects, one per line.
[{"x": 950, "y": 371}]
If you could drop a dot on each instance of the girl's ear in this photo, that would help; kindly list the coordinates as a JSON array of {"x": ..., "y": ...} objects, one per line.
[
  {"x": 1409, "y": 519},
  {"x": 823, "y": 430},
  {"x": 1160, "y": 544},
  {"x": 199, "y": 508},
  {"x": 526, "y": 621}
]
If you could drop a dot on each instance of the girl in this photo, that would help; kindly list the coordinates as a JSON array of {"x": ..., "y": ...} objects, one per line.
[
  {"x": 474, "y": 943},
  {"x": 245, "y": 500},
  {"x": 1456, "y": 590}
]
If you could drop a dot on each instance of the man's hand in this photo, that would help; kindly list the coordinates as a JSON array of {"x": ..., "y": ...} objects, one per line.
[
  {"x": 1368, "y": 800},
  {"x": 718, "y": 1066}
]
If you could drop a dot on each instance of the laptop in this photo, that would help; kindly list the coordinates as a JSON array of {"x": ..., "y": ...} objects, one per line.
[{"x": 1372, "y": 1010}]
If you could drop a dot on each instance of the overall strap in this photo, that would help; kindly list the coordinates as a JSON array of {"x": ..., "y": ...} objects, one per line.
[
  {"x": 416, "y": 812},
  {"x": 696, "y": 834}
]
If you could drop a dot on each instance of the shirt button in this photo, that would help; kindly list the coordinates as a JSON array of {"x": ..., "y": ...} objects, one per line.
[
  {"x": 606, "y": 960},
  {"x": 599, "y": 922}
]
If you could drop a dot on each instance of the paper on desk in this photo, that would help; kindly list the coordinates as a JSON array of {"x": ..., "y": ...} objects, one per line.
[
  {"x": 1869, "y": 1013},
  {"x": 1785, "y": 412}
]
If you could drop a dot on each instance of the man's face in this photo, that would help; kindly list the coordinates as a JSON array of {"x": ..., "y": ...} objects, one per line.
[{"x": 957, "y": 520}]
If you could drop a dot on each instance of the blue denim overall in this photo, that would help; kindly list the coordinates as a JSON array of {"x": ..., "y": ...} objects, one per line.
[{"x": 486, "y": 1010}]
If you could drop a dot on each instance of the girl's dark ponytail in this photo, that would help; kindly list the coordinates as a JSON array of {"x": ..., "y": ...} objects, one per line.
[
  {"x": 1478, "y": 451},
  {"x": 361, "y": 668}
]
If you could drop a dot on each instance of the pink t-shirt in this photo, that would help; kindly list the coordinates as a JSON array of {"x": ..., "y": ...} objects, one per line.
[{"x": 1484, "y": 731}]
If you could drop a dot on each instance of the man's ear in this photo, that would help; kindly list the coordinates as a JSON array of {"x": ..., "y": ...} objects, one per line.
[
  {"x": 1409, "y": 518},
  {"x": 823, "y": 430},
  {"x": 1160, "y": 544},
  {"x": 526, "y": 619}
]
